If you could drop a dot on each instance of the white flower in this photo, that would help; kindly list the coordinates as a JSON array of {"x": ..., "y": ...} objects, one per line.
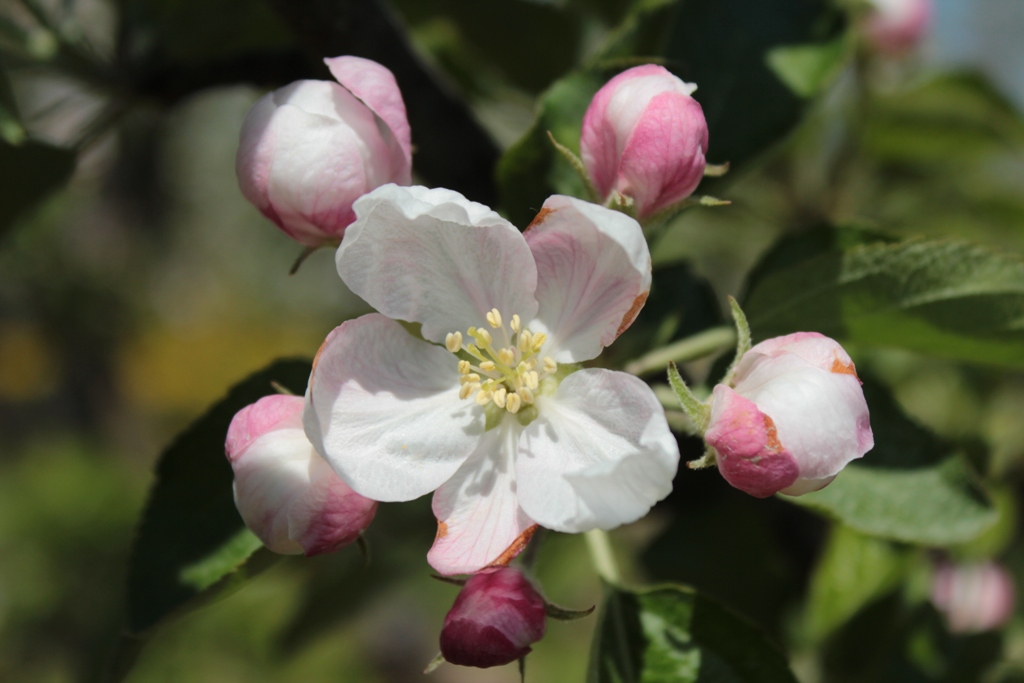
[{"x": 486, "y": 411}]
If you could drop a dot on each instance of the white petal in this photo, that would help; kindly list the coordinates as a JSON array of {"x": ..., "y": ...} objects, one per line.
[
  {"x": 600, "y": 454},
  {"x": 821, "y": 417},
  {"x": 383, "y": 409},
  {"x": 479, "y": 519},
  {"x": 593, "y": 275},
  {"x": 434, "y": 257}
]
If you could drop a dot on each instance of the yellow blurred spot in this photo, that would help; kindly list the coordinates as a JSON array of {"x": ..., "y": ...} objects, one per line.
[
  {"x": 186, "y": 369},
  {"x": 28, "y": 367}
]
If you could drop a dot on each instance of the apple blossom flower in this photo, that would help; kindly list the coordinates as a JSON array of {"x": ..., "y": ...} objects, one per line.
[
  {"x": 486, "y": 409},
  {"x": 496, "y": 617},
  {"x": 645, "y": 137},
  {"x": 896, "y": 26},
  {"x": 310, "y": 149},
  {"x": 794, "y": 416},
  {"x": 287, "y": 494},
  {"x": 973, "y": 597}
]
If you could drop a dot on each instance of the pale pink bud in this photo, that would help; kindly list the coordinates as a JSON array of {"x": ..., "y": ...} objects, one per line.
[
  {"x": 896, "y": 26},
  {"x": 794, "y": 417},
  {"x": 973, "y": 597},
  {"x": 646, "y": 137},
  {"x": 495, "y": 619},
  {"x": 310, "y": 149},
  {"x": 286, "y": 493}
]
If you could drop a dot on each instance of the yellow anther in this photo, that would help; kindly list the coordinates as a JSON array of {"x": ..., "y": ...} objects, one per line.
[
  {"x": 483, "y": 397},
  {"x": 494, "y": 318},
  {"x": 489, "y": 385},
  {"x": 537, "y": 343},
  {"x": 487, "y": 366},
  {"x": 516, "y": 323},
  {"x": 464, "y": 367},
  {"x": 524, "y": 341},
  {"x": 499, "y": 397},
  {"x": 468, "y": 389},
  {"x": 532, "y": 379},
  {"x": 513, "y": 402},
  {"x": 484, "y": 337},
  {"x": 507, "y": 356},
  {"x": 526, "y": 395},
  {"x": 531, "y": 363},
  {"x": 470, "y": 378},
  {"x": 550, "y": 366},
  {"x": 453, "y": 341}
]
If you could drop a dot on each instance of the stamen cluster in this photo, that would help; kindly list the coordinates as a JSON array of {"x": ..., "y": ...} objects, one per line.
[{"x": 508, "y": 375}]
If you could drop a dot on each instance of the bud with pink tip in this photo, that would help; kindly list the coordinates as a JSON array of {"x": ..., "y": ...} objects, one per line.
[
  {"x": 793, "y": 417},
  {"x": 645, "y": 137},
  {"x": 896, "y": 26},
  {"x": 495, "y": 618},
  {"x": 973, "y": 597},
  {"x": 310, "y": 149},
  {"x": 287, "y": 494}
]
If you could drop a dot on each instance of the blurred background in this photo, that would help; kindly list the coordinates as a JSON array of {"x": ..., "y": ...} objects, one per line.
[{"x": 137, "y": 285}]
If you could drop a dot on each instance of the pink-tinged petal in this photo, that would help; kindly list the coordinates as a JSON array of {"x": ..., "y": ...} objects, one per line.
[
  {"x": 434, "y": 257},
  {"x": 815, "y": 348},
  {"x": 253, "y": 421},
  {"x": 750, "y": 456},
  {"x": 496, "y": 617},
  {"x": 256, "y": 147},
  {"x": 286, "y": 494},
  {"x": 480, "y": 523},
  {"x": 593, "y": 275},
  {"x": 614, "y": 113},
  {"x": 896, "y": 26},
  {"x": 821, "y": 416},
  {"x": 803, "y": 486},
  {"x": 383, "y": 409},
  {"x": 663, "y": 159},
  {"x": 375, "y": 85},
  {"x": 600, "y": 454},
  {"x": 320, "y": 167},
  {"x": 973, "y": 597}
]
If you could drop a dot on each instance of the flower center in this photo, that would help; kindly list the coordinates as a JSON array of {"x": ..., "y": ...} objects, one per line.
[{"x": 506, "y": 375}]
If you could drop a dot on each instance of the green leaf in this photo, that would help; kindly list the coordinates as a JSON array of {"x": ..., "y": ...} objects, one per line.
[
  {"x": 808, "y": 69},
  {"x": 945, "y": 298},
  {"x": 531, "y": 170},
  {"x": 31, "y": 172},
  {"x": 911, "y": 487},
  {"x": 854, "y": 570},
  {"x": 674, "y": 634},
  {"x": 191, "y": 537}
]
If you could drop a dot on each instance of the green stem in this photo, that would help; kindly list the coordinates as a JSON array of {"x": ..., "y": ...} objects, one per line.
[
  {"x": 699, "y": 345},
  {"x": 600, "y": 548}
]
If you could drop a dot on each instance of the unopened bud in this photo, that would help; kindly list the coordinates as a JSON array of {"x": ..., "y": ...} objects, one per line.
[{"x": 495, "y": 618}]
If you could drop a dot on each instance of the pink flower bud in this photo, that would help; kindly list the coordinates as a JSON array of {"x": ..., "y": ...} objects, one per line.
[
  {"x": 310, "y": 149},
  {"x": 286, "y": 493},
  {"x": 794, "y": 417},
  {"x": 495, "y": 619},
  {"x": 896, "y": 26},
  {"x": 973, "y": 597},
  {"x": 644, "y": 136}
]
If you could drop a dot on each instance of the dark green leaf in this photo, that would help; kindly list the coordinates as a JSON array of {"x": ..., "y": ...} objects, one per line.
[
  {"x": 911, "y": 487},
  {"x": 807, "y": 69},
  {"x": 191, "y": 536},
  {"x": 30, "y": 172},
  {"x": 946, "y": 298},
  {"x": 11, "y": 130},
  {"x": 191, "y": 33},
  {"x": 674, "y": 634},
  {"x": 854, "y": 570}
]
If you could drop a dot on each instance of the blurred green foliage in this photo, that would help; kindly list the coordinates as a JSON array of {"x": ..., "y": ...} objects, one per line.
[{"x": 134, "y": 297}]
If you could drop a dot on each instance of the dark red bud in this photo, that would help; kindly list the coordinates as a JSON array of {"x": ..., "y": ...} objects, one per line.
[{"x": 495, "y": 619}]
